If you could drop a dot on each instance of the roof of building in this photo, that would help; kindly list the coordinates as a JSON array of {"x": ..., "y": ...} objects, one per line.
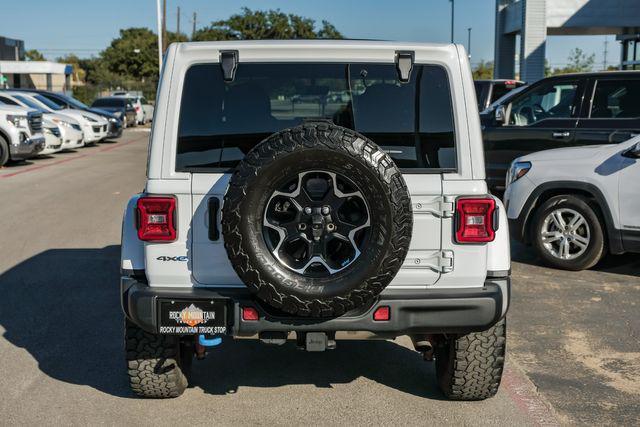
[{"x": 34, "y": 67}]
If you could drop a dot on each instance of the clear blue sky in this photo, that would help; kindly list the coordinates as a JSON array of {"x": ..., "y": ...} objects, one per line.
[{"x": 85, "y": 27}]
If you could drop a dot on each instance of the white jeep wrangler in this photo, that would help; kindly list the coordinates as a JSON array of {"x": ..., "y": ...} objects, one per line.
[{"x": 303, "y": 189}]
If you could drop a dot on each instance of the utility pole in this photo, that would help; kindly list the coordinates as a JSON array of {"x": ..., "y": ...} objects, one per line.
[
  {"x": 178, "y": 26},
  {"x": 159, "y": 19},
  {"x": 604, "y": 61},
  {"x": 469, "y": 42},
  {"x": 452, "y": 14},
  {"x": 193, "y": 31},
  {"x": 164, "y": 26}
]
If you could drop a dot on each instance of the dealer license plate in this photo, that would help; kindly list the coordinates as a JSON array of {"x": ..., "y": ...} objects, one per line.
[{"x": 193, "y": 316}]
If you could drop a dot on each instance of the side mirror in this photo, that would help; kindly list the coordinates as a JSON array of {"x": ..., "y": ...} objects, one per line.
[
  {"x": 633, "y": 152},
  {"x": 501, "y": 114}
]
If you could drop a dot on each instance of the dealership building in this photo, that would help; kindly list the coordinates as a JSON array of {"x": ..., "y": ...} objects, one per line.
[
  {"x": 533, "y": 20},
  {"x": 15, "y": 72}
]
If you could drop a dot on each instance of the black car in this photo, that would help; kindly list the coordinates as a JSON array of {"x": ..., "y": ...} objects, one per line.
[
  {"x": 560, "y": 111},
  {"x": 120, "y": 106},
  {"x": 65, "y": 101},
  {"x": 489, "y": 91}
]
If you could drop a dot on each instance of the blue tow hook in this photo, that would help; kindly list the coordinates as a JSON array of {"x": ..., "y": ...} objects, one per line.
[{"x": 209, "y": 342}]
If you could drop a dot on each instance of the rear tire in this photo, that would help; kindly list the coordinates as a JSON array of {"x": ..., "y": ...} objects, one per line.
[
  {"x": 154, "y": 363},
  {"x": 469, "y": 367},
  {"x": 4, "y": 151}
]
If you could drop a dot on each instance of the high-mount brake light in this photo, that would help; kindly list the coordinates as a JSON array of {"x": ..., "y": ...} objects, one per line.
[
  {"x": 475, "y": 222},
  {"x": 156, "y": 219}
]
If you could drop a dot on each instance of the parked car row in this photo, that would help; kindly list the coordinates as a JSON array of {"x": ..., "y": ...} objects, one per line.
[
  {"x": 132, "y": 105},
  {"x": 34, "y": 122},
  {"x": 569, "y": 148}
]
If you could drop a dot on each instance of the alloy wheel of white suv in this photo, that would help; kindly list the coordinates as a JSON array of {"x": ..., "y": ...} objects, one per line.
[{"x": 567, "y": 233}]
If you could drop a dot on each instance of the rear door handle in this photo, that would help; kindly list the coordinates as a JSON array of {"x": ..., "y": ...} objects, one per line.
[{"x": 564, "y": 134}]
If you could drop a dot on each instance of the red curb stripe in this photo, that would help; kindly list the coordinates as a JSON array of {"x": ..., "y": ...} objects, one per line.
[
  {"x": 527, "y": 400},
  {"x": 80, "y": 156}
]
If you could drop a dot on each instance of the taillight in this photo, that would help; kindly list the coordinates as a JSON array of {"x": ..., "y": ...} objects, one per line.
[
  {"x": 250, "y": 314},
  {"x": 137, "y": 108},
  {"x": 156, "y": 219},
  {"x": 382, "y": 314},
  {"x": 475, "y": 220}
]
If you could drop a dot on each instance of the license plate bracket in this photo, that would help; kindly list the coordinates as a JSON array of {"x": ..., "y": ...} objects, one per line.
[{"x": 187, "y": 317}]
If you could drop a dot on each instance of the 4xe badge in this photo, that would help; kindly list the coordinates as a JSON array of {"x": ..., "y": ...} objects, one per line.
[{"x": 173, "y": 258}]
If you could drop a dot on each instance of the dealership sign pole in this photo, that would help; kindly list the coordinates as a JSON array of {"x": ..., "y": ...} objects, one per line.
[{"x": 159, "y": 13}]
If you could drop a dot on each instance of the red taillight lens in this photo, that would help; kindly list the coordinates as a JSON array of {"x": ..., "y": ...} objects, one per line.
[
  {"x": 475, "y": 222},
  {"x": 156, "y": 219},
  {"x": 250, "y": 313},
  {"x": 382, "y": 314},
  {"x": 137, "y": 108}
]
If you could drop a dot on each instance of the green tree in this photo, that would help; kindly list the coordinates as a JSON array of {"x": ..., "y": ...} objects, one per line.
[
  {"x": 577, "y": 62},
  {"x": 261, "y": 25},
  {"x": 34, "y": 55},
  {"x": 134, "y": 54},
  {"x": 483, "y": 71}
]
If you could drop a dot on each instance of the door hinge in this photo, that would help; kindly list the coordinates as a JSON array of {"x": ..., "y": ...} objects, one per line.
[
  {"x": 440, "y": 262},
  {"x": 446, "y": 261},
  {"x": 443, "y": 207}
]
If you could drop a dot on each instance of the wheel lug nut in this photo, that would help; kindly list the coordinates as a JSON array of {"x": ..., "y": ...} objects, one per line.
[
  {"x": 331, "y": 227},
  {"x": 325, "y": 210},
  {"x": 307, "y": 210},
  {"x": 302, "y": 226}
]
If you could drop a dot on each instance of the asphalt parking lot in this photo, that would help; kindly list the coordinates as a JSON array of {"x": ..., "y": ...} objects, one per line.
[{"x": 573, "y": 338}]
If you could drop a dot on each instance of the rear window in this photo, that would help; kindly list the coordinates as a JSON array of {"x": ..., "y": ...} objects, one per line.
[
  {"x": 616, "y": 99},
  {"x": 108, "y": 102},
  {"x": 499, "y": 90},
  {"x": 221, "y": 121}
]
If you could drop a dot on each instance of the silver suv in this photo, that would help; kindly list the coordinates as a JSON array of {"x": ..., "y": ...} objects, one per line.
[{"x": 276, "y": 210}]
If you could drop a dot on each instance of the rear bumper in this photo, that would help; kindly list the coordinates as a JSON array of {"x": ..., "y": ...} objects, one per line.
[{"x": 412, "y": 312}]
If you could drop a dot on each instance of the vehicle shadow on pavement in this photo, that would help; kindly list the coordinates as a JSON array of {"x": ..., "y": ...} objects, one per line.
[
  {"x": 63, "y": 307},
  {"x": 627, "y": 264},
  {"x": 248, "y": 363}
]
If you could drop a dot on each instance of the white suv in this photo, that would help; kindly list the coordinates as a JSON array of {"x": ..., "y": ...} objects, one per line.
[
  {"x": 21, "y": 135},
  {"x": 575, "y": 204},
  {"x": 276, "y": 211}
]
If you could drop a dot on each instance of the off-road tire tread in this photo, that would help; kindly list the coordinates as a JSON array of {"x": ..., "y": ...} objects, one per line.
[
  {"x": 317, "y": 135},
  {"x": 153, "y": 363},
  {"x": 475, "y": 363}
]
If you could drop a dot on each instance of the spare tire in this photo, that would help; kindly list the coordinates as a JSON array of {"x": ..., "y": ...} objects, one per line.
[{"x": 317, "y": 220}]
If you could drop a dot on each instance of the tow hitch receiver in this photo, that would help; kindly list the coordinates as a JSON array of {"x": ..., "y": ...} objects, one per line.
[
  {"x": 316, "y": 341},
  {"x": 203, "y": 342}
]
